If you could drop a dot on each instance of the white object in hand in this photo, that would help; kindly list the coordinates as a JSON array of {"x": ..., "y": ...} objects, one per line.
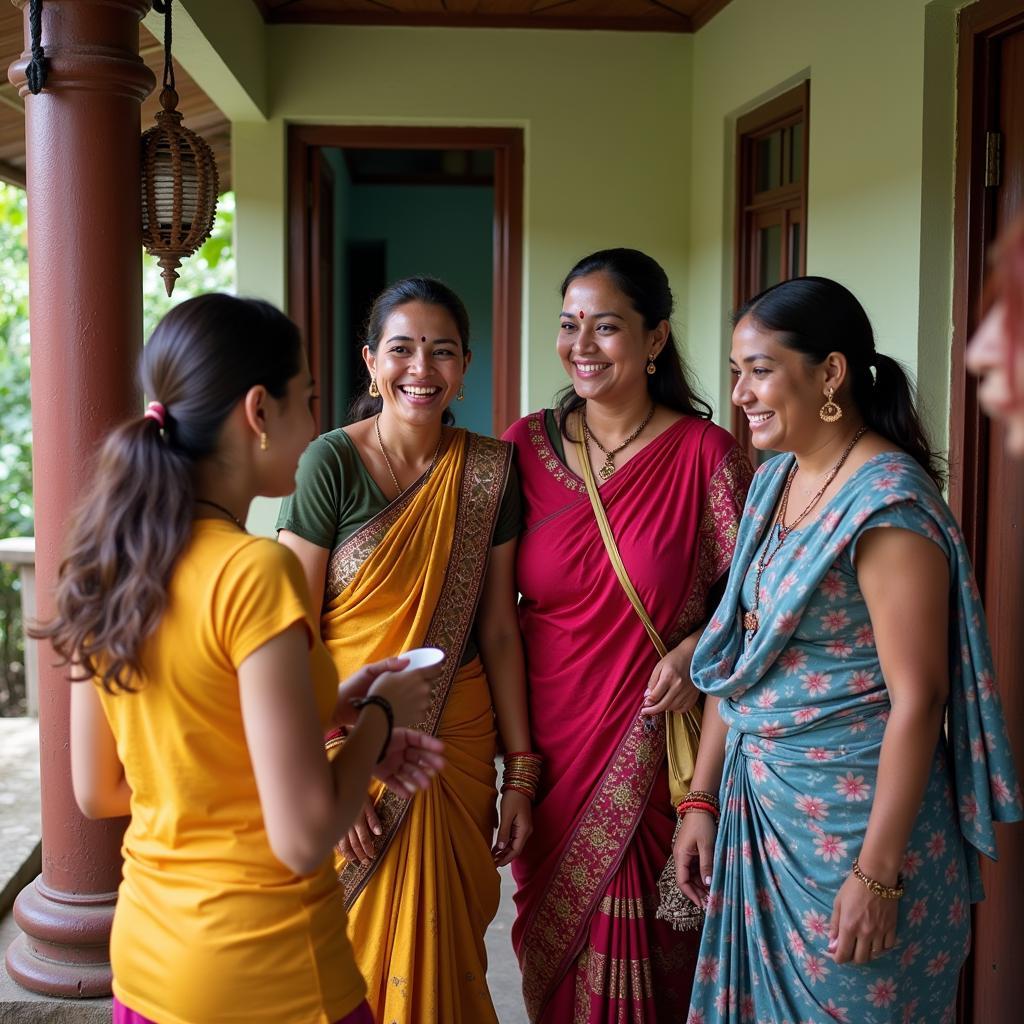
[{"x": 422, "y": 657}]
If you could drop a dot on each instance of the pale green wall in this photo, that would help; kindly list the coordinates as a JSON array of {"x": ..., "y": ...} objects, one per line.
[
  {"x": 606, "y": 120},
  {"x": 630, "y": 141},
  {"x": 881, "y": 166}
]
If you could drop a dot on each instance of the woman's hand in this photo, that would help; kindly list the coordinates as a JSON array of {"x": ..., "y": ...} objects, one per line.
[
  {"x": 515, "y": 816},
  {"x": 670, "y": 687},
  {"x": 412, "y": 759},
  {"x": 408, "y": 692},
  {"x": 357, "y": 845},
  {"x": 694, "y": 853},
  {"x": 358, "y": 684},
  {"x": 863, "y": 924}
]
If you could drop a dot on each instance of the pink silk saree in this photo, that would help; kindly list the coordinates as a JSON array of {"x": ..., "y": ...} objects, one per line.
[{"x": 588, "y": 943}]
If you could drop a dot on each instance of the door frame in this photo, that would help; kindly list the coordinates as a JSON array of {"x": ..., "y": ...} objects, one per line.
[
  {"x": 304, "y": 142},
  {"x": 973, "y": 215},
  {"x": 980, "y": 27}
]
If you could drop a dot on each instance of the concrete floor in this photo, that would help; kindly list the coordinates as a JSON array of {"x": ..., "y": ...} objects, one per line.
[{"x": 503, "y": 969}]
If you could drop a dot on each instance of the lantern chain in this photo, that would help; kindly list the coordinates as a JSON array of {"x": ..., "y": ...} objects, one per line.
[
  {"x": 35, "y": 73},
  {"x": 164, "y": 7}
]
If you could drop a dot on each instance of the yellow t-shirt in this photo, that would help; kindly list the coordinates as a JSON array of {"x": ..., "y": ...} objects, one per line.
[{"x": 210, "y": 927}]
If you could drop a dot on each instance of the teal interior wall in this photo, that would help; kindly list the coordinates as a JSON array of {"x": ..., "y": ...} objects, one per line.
[{"x": 444, "y": 231}]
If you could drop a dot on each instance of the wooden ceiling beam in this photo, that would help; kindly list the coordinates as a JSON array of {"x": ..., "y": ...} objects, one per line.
[
  {"x": 707, "y": 10},
  {"x": 613, "y": 23},
  {"x": 11, "y": 174},
  {"x": 9, "y": 97}
]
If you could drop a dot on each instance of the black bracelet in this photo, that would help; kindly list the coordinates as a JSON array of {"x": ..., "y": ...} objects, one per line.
[{"x": 361, "y": 702}]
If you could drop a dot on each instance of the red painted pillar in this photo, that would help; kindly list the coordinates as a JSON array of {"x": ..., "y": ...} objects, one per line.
[{"x": 85, "y": 277}]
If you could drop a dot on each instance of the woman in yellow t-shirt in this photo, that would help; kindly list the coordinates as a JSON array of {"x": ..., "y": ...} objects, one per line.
[{"x": 212, "y": 691}]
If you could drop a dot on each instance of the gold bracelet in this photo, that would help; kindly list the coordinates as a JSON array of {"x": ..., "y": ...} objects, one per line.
[
  {"x": 706, "y": 796},
  {"x": 885, "y": 892}
]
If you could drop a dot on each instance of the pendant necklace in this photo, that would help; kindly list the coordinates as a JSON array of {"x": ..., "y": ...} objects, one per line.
[
  {"x": 220, "y": 508},
  {"x": 387, "y": 462},
  {"x": 751, "y": 619},
  {"x": 609, "y": 456}
]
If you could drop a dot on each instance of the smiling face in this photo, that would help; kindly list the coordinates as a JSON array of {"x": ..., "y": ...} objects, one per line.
[
  {"x": 419, "y": 364},
  {"x": 602, "y": 341},
  {"x": 778, "y": 389},
  {"x": 994, "y": 357}
]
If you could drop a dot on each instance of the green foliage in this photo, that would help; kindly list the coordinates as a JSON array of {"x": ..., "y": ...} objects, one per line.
[
  {"x": 211, "y": 269},
  {"x": 15, "y": 436}
]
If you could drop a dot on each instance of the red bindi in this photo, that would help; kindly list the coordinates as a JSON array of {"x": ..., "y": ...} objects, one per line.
[
  {"x": 581, "y": 314},
  {"x": 423, "y": 338}
]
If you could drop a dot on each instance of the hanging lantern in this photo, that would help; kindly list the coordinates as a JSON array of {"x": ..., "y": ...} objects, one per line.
[{"x": 179, "y": 179}]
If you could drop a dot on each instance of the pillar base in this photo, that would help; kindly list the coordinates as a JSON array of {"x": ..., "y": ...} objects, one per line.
[{"x": 65, "y": 946}]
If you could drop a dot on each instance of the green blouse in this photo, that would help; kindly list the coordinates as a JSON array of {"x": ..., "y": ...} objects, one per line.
[{"x": 335, "y": 496}]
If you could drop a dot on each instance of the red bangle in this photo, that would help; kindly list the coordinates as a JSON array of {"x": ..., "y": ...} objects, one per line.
[
  {"x": 518, "y": 789},
  {"x": 697, "y": 805}
]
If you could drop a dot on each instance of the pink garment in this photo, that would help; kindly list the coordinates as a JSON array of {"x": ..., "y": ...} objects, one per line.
[
  {"x": 586, "y": 936},
  {"x": 122, "y": 1015}
]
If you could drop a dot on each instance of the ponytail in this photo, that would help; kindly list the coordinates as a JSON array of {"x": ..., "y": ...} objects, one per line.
[
  {"x": 888, "y": 408},
  {"x": 136, "y": 517},
  {"x": 125, "y": 541}
]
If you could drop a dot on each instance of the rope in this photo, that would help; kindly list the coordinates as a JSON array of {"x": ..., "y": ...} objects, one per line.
[
  {"x": 35, "y": 73},
  {"x": 164, "y": 7}
]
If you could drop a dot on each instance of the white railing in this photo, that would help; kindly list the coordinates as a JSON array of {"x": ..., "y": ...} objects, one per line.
[{"x": 21, "y": 552}]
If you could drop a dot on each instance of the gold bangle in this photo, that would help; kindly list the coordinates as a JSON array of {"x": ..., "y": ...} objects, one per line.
[
  {"x": 706, "y": 796},
  {"x": 885, "y": 892}
]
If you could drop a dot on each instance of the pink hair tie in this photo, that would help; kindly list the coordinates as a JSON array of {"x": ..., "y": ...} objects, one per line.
[{"x": 155, "y": 411}]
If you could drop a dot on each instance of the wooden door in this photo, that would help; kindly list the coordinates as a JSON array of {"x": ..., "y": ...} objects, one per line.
[
  {"x": 987, "y": 486},
  {"x": 771, "y": 206}
]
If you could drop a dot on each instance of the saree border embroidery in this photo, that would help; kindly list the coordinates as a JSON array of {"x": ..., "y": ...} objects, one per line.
[
  {"x": 603, "y": 834},
  {"x": 484, "y": 476},
  {"x": 348, "y": 558},
  {"x": 549, "y": 460},
  {"x": 727, "y": 491}
]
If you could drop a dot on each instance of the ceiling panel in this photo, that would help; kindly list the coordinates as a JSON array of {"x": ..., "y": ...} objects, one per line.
[{"x": 628, "y": 15}]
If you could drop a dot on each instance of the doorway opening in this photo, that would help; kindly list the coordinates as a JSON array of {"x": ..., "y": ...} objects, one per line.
[{"x": 371, "y": 205}]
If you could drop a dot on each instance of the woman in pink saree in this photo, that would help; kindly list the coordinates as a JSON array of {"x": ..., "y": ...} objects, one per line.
[{"x": 587, "y": 937}]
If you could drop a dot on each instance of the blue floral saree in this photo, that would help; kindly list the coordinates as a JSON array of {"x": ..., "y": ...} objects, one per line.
[{"x": 806, "y": 706}]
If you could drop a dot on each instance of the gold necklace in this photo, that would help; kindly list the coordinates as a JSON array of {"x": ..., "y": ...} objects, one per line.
[
  {"x": 387, "y": 462},
  {"x": 609, "y": 456},
  {"x": 751, "y": 619}
]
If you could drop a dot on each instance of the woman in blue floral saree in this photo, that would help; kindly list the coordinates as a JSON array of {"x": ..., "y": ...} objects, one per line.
[{"x": 841, "y": 877}]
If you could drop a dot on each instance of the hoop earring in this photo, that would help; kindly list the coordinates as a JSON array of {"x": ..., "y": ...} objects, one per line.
[
  {"x": 831, "y": 411},
  {"x": 651, "y": 368},
  {"x": 461, "y": 396},
  {"x": 373, "y": 390},
  {"x": 264, "y": 444}
]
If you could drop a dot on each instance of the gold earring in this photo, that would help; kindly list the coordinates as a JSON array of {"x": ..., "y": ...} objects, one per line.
[
  {"x": 461, "y": 396},
  {"x": 831, "y": 411},
  {"x": 374, "y": 391},
  {"x": 264, "y": 445},
  {"x": 651, "y": 368}
]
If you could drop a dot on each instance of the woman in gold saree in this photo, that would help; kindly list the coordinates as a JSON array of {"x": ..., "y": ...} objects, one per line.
[{"x": 407, "y": 527}]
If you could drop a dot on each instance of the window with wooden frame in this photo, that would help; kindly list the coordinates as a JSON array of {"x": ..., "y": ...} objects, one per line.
[{"x": 771, "y": 205}]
